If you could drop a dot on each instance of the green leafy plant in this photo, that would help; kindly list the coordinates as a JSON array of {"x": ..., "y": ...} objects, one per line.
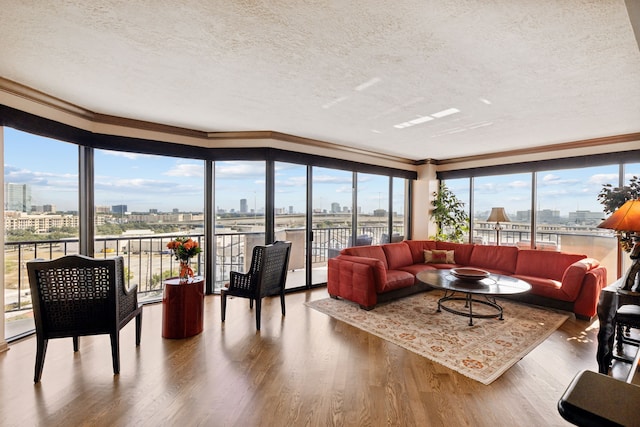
[
  {"x": 613, "y": 197},
  {"x": 449, "y": 215}
]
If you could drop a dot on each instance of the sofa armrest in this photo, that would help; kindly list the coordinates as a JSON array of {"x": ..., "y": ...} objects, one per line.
[
  {"x": 356, "y": 279},
  {"x": 574, "y": 276},
  {"x": 586, "y": 304}
]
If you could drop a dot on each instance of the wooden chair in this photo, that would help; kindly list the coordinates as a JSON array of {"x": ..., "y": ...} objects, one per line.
[
  {"x": 266, "y": 277},
  {"x": 77, "y": 295}
]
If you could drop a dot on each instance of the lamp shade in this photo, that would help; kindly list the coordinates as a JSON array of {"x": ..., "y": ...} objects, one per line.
[
  {"x": 498, "y": 215},
  {"x": 625, "y": 218}
]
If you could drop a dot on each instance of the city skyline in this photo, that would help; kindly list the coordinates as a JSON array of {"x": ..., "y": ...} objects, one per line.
[{"x": 145, "y": 182}]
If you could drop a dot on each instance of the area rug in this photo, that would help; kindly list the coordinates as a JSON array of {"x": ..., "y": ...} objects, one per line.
[{"x": 481, "y": 352}]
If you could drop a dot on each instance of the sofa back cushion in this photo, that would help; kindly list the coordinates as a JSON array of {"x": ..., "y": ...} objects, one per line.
[
  {"x": 417, "y": 248},
  {"x": 398, "y": 255},
  {"x": 462, "y": 251},
  {"x": 547, "y": 264},
  {"x": 497, "y": 258},
  {"x": 368, "y": 252}
]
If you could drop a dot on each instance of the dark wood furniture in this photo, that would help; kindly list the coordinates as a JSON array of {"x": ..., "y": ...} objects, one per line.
[
  {"x": 489, "y": 288},
  {"x": 77, "y": 295},
  {"x": 611, "y": 298},
  {"x": 182, "y": 308},
  {"x": 266, "y": 277}
]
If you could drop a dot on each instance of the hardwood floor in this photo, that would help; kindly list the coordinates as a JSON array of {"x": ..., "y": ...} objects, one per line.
[{"x": 303, "y": 369}]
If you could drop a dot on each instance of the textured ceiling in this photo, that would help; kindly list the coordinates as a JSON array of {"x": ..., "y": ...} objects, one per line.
[{"x": 362, "y": 74}]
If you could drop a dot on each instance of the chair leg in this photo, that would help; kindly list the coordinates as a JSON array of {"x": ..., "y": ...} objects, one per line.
[
  {"x": 258, "y": 309},
  {"x": 115, "y": 351},
  {"x": 223, "y": 304},
  {"x": 251, "y": 303},
  {"x": 41, "y": 350},
  {"x": 282, "y": 303},
  {"x": 619, "y": 338},
  {"x": 138, "y": 328},
  {"x": 75, "y": 343}
]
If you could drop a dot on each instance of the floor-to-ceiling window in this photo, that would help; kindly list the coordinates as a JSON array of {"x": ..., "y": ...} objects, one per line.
[
  {"x": 460, "y": 187},
  {"x": 40, "y": 214},
  {"x": 398, "y": 205},
  {"x": 290, "y": 206},
  {"x": 332, "y": 216},
  {"x": 510, "y": 194},
  {"x": 568, "y": 211},
  {"x": 240, "y": 200},
  {"x": 373, "y": 208},
  {"x": 141, "y": 203}
]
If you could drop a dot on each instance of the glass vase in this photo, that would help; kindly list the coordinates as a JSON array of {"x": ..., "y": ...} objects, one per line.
[{"x": 185, "y": 272}]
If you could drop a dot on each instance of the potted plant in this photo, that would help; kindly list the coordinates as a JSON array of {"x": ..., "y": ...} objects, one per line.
[
  {"x": 183, "y": 249},
  {"x": 448, "y": 213},
  {"x": 613, "y": 197}
]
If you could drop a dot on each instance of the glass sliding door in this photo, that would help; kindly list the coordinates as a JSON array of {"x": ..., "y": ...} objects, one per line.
[
  {"x": 141, "y": 203},
  {"x": 40, "y": 215},
  {"x": 332, "y": 217},
  {"x": 290, "y": 204},
  {"x": 240, "y": 201},
  {"x": 373, "y": 210},
  {"x": 511, "y": 193}
]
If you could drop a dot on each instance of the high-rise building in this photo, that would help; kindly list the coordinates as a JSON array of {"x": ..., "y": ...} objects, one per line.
[
  {"x": 244, "y": 208},
  {"x": 17, "y": 197},
  {"x": 119, "y": 209},
  {"x": 335, "y": 207}
]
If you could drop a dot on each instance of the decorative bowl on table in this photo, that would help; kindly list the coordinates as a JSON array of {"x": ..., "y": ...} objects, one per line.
[{"x": 468, "y": 273}]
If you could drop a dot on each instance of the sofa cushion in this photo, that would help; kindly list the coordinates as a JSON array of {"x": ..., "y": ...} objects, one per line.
[
  {"x": 396, "y": 279},
  {"x": 548, "y": 288},
  {"x": 367, "y": 252},
  {"x": 398, "y": 255},
  {"x": 417, "y": 268},
  {"x": 437, "y": 256},
  {"x": 417, "y": 248},
  {"x": 546, "y": 264},
  {"x": 497, "y": 259},
  {"x": 462, "y": 250}
]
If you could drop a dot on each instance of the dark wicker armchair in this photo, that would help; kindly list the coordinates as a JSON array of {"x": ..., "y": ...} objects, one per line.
[
  {"x": 76, "y": 295},
  {"x": 266, "y": 277}
]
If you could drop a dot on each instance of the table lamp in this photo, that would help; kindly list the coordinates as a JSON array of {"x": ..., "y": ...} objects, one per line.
[
  {"x": 626, "y": 219},
  {"x": 498, "y": 215}
]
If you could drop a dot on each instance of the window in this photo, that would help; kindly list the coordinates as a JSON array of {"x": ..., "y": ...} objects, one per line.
[
  {"x": 240, "y": 201},
  {"x": 40, "y": 212},
  {"x": 141, "y": 203},
  {"x": 373, "y": 208},
  {"x": 290, "y": 204},
  {"x": 511, "y": 192}
]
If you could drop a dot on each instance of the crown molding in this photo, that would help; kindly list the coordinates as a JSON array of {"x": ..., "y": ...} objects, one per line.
[{"x": 555, "y": 148}]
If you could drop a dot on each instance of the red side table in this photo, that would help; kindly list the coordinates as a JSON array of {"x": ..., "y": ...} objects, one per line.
[{"x": 182, "y": 308}]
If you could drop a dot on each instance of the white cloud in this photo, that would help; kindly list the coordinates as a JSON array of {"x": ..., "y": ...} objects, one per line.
[{"x": 186, "y": 170}]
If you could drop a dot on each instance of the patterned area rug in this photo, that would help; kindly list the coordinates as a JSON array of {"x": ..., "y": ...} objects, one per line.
[{"x": 481, "y": 352}]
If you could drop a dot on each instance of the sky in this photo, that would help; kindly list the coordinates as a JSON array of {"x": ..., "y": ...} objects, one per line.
[
  {"x": 566, "y": 190},
  {"x": 144, "y": 182}
]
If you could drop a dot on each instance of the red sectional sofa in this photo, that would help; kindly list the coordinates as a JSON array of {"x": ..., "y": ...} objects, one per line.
[{"x": 368, "y": 275}]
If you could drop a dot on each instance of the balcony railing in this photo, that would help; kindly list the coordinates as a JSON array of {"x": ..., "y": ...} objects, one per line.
[{"x": 148, "y": 262}]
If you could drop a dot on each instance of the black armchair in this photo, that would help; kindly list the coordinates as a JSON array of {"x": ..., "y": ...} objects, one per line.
[
  {"x": 77, "y": 295},
  {"x": 266, "y": 277}
]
